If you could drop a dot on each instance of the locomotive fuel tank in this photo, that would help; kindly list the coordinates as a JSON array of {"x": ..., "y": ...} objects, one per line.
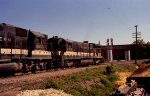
[{"x": 10, "y": 67}]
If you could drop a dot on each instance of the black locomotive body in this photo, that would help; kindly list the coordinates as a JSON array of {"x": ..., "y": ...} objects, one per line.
[
  {"x": 25, "y": 50},
  {"x": 24, "y": 47},
  {"x": 18, "y": 43},
  {"x": 12, "y": 40},
  {"x": 37, "y": 45},
  {"x": 72, "y": 53}
]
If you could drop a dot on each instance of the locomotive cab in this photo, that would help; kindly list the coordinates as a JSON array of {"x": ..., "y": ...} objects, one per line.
[
  {"x": 57, "y": 47},
  {"x": 36, "y": 41}
]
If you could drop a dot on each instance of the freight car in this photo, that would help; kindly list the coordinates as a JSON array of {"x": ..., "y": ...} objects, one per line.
[{"x": 26, "y": 50}]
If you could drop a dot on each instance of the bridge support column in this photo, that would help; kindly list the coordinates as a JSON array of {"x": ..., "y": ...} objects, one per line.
[{"x": 127, "y": 55}]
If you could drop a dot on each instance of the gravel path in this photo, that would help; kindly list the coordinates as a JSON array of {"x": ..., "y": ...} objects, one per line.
[
  {"x": 12, "y": 85},
  {"x": 45, "y": 92}
]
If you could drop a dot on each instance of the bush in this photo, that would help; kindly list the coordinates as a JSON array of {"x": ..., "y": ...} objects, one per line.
[
  {"x": 54, "y": 84},
  {"x": 113, "y": 77},
  {"x": 74, "y": 84}
]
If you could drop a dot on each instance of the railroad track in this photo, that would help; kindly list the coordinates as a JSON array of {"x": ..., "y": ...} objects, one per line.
[
  {"x": 17, "y": 74},
  {"x": 28, "y": 73}
]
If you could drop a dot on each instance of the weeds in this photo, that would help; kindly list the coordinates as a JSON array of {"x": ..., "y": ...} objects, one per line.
[{"x": 72, "y": 84}]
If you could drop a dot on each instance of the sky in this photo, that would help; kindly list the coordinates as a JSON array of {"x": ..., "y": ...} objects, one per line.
[{"x": 80, "y": 20}]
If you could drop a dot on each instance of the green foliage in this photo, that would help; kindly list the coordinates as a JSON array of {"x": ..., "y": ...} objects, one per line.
[
  {"x": 139, "y": 42},
  {"x": 143, "y": 50},
  {"x": 124, "y": 67},
  {"x": 50, "y": 83},
  {"x": 85, "y": 75},
  {"x": 97, "y": 83},
  {"x": 104, "y": 88},
  {"x": 73, "y": 84},
  {"x": 109, "y": 70},
  {"x": 80, "y": 90},
  {"x": 97, "y": 90},
  {"x": 113, "y": 77}
]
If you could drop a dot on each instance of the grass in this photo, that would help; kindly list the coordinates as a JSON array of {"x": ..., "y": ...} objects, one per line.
[
  {"x": 124, "y": 67},
  {"x": 98, "y": 84},
  {"x": 91, "y": 82}
]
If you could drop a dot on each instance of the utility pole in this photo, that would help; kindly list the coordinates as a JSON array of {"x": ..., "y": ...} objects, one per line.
[
  {"x": 136, "y": 44},
  {"x": 136, "y": 36}
]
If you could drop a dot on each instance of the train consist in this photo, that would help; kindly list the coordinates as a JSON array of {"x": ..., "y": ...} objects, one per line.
[{"x": 25, "y": 50}]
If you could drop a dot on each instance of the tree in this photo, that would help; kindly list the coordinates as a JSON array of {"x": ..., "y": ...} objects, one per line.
[
  {"x": 143, "y": 49},
  {"x": 139, "y": 42}
]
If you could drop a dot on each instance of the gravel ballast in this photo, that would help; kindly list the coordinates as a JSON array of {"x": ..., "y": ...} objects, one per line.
[{"x": 46, "y": 92}]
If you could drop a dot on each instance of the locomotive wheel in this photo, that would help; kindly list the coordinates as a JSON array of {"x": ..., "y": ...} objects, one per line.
[
  {"x": 48, "y": 65},
  {"x": 24, "y": 68},
  {"x": 94, "y": 62},
  {"x": 33, "y": 69},
  {"x": 41, "y": 67},
  {"x": 77, "y": 64}
]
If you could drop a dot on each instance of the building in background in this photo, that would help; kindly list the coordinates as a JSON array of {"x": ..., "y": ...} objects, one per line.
[{"x": 119, "y": 52}]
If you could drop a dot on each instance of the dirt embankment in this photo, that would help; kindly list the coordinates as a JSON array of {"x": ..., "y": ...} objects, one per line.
[
  {"x": 142, "y": 71},
  {"x": 122, "y": 77}
]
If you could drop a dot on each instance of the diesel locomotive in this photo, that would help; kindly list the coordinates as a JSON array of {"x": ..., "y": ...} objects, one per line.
[{"x": 25, "y": 50}]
